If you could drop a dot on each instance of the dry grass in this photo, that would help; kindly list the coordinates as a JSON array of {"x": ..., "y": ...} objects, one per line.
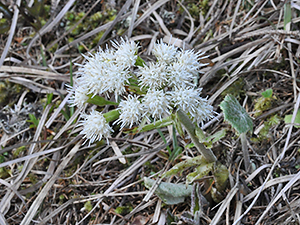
[{"x": 49, "y": 177}]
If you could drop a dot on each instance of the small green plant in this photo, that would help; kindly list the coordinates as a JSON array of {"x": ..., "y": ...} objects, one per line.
[
  {"x": 35, "y": 14},
  {"x": 88, "y": 206},
  {"x": 4, "y": 172},
  {"x": 288, "y": 119},
  {"x": 236, "y": 89},
  {"x": 83, "y": 23},
  {"x": 202, "y": 169},
  {"x": 239, "y": 119},
  {"x": 5, "y": 21},
  {"x": 267, "y": 126},
  {"x": 149, "y": 96},
  {"x": 123, "y": 210},
  {"x": 264, "y": 103},
  {"x": 33, "y": 120},
  {"x": 170, "y": 193},
  {"x": 19, "y": 151}
]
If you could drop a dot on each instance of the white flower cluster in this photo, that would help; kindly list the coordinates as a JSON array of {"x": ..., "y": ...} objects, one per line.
[{"x": 168, "y": 84}]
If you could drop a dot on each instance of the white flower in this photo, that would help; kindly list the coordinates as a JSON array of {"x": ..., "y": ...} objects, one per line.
[
  {"x": 189, "y": 60},
  {"x": 164, "y": 53},
  {"x": 157, "y": 104},
  {"x": 179, "y": 76},
  {"x": 93, "y": 75},
  {"x": 79, "y": 95},
  {"x": 126, "y": 53},
  {"x": 102, "y": 77},
  {"x": 130, "y": 111},
  {"x": 116, "y": 78},
  {"x": 189, "y": 100},
  {"x": 95, "y": 126},
  {"x": 153, "y": 76},
  {"x": 106, "y": 55},
  {"x": 204, "y": 111}
]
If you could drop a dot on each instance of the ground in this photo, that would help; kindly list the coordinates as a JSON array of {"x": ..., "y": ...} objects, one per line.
[{"x": 48, "y": 176}]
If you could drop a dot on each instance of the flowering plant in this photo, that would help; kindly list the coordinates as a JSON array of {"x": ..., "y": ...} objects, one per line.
[{"x": 146, "y": 90}]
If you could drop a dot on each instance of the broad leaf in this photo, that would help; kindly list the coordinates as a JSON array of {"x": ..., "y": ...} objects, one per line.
[
  {"x": 236, "y": 115},
  {"x": 199, "y": 172},
  {"x": 267, "y": 93},
  {"x": 170, "y": 193},
  {"x": 180, "y": 167},
  {"x": 158, "y": 124},
  {"x": 221, "y": 175},
  {"x": 288, "y": 119},
  {"x": 111, "y": 115},
  {"x": 100, "y": 101}
]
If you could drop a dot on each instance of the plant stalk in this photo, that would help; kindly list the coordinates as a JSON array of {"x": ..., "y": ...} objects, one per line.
[
  {"x": 245, "y": 152},
  {"x": 190, "y": 128}
]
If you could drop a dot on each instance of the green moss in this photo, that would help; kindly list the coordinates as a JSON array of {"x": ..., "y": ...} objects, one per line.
[
  {"x": 264, "y": 103},
  {"x": 19, "y": 151},
  {"x": 270, "y": 123},
  {"x": 8, "y": 93},
  {"x": 236, "y": 89},
  {"x": 88, "y": 206},
  {"x": 61, "y": 197},
  {"x": 96, "y": 17},
  {"x": 33, "y": 178},
  {"x": 123, "y": 210}
]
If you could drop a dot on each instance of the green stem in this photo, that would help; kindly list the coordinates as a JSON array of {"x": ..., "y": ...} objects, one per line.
[
  {"x": 245, "y": 151},
  {"x": 190, "y": 128}
]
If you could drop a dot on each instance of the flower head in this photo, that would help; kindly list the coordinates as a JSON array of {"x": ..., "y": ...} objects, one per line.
[
  {"x": 164, "y": 53},
  {"x": 153, "y": 76},
  {"x": 79, "y": 95},
  {"x": 189, "y": 100},
  {"x": 126, "y": 53},
  {"x": 189, "y": 60},
  {"x": 179, "y": 76},
  {"x": 95, "y": 126},
  {"x": 156, "y": 103},
  {"x": 102, "y": 75},
  {"x": 130, "y": 111}
]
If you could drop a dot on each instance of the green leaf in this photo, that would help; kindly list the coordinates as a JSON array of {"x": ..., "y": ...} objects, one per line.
[
  {"x": 236, "y": 115},
  {"x": 177, "y": 150},
  {"x": 100, "y": 101},
  {"x": 210, "y": 140},
  {"x": 158, "y": 124},
  {"x": 123, "y": 209},
  {"x": 200, "y": 134},
  {"x": 111, "y": 115},
  {"x": 33, "y": 120},
  {"x": 287, "y": 15},
  {"x": 4, "y": 26},
  {"x": 267, "y": 93},
  {"x": 139, "y": 61},
  {"x": 221, "y": 175},
  {"x": 177, "y": 124},
  {"x": 288, "y": 119},
  {"x": 199, "y": 172},
  {"x": 65, "y": 114},
  {"x": 37, "y": 9},
  {"x": 217, "y": 136},
  {"x": 49, "y": 98},
  {"x": 180, "y": 167},
  {"x": 170, "y": 193},
  {"x": 88, "y": 206}
]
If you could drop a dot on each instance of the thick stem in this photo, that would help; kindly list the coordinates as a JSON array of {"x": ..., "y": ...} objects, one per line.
[
  {"x": 190, "y": 128},
  {"x": 245, "y": 151}
]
